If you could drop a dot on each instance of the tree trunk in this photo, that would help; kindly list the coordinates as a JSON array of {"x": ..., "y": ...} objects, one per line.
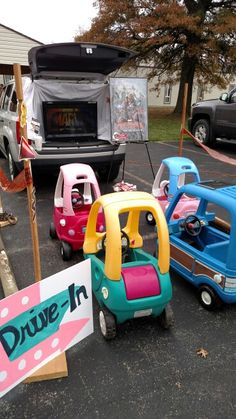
[{"x": 187, "y": 76}]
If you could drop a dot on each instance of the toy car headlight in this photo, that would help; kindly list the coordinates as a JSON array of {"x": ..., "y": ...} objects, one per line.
[
  {"x": 63, "y": 222},
  {"x": 105, "y": 293}
]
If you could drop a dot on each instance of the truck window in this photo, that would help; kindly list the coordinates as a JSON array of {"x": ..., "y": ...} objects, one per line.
[
  {"x": 7, "y": 97},
  {"x": 2, "y": 95}
]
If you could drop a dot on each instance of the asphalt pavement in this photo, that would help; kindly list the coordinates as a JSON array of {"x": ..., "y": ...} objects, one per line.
[{"x": 145, "y": 372}]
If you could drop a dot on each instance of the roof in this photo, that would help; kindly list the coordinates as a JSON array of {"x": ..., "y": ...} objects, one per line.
[{"x": 14, "y": 47}]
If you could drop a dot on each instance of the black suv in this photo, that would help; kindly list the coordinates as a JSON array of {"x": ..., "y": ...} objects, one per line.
[{"x": 212, "y": 119}]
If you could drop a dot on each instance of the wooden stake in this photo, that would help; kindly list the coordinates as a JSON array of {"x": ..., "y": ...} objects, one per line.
[
  {"x": 183, "y": 118},
  {"x": 29, "y": 179},
  {"x": 56, "y": 368}
]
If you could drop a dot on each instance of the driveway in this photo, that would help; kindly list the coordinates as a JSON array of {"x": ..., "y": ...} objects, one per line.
[{"x": 145, "y": 372}]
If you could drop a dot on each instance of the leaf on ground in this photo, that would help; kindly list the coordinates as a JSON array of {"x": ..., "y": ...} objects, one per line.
[{"x": 203, "y": 353}]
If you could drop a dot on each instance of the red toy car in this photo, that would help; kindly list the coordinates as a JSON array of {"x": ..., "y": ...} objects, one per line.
[{"x": 76, "y": 189}]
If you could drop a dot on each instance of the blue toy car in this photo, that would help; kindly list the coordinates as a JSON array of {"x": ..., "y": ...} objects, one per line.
[
  {"x": 173, "y": 173},
  {"x": 203, "y": 244}
]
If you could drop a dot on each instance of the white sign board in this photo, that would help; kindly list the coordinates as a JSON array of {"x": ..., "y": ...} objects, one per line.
[{"x": 43, "y": 320}]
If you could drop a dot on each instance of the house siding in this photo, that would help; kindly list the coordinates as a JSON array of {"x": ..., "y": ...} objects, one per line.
[
  {"x": 157, "y": 98},
  {"x": 14, "y": 48}
]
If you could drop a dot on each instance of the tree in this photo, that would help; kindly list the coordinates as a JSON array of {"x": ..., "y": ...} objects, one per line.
[{"x": 176, "y": 40}]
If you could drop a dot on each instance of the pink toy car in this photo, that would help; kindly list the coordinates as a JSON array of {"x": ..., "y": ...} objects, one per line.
[
  {"x": 76, "y": 189},
  {"x": 181, "y": 171}
]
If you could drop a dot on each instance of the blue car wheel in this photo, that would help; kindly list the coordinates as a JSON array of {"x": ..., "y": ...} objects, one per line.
[{"x": 208, "y": 298}]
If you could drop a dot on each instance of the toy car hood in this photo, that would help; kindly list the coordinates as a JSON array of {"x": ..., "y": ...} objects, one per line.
[{"x": 74, "y": 57}]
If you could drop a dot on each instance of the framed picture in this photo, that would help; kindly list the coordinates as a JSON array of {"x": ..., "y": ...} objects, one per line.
[{"x": 129, "y": 121}]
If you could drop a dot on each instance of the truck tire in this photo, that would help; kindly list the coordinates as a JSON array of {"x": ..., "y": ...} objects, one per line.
[
  {"x": 202, "y": 131},
  {"x": 13, "y": 170}
]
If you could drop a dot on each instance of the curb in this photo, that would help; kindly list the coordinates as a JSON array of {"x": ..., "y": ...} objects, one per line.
[{"x": 6, "y": 274}]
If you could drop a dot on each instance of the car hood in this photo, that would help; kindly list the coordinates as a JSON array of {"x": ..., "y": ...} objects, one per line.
[
  {"x": 76, "y": 57},
  {"x": 206, "y": 102}
]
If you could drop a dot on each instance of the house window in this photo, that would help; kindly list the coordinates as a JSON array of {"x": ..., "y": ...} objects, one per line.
[{"x": 167, "y": 93}]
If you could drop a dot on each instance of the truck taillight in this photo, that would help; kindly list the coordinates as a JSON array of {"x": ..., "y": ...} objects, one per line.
[
  {"x": 18, "y": 136},
  {"x": 18, "y": 133}
]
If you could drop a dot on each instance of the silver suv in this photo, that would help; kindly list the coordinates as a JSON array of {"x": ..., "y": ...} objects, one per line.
[{"x": 67, "y": 97}]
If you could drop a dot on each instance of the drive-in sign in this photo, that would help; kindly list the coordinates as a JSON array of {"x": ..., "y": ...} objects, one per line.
[{"x": 42, "y": 321}]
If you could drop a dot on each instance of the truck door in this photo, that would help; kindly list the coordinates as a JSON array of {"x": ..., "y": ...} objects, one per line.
[{"x": 225, "y": 118}]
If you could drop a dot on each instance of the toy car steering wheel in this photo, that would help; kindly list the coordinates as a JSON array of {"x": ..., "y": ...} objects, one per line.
[
  {"x": 77, "y": 199},
  {"x": 124, "y": 242},
  {"x": 166, "y": 189},
  {"x": 192, "y": 225}
]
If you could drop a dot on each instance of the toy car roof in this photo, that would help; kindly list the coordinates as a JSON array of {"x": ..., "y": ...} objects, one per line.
[
  {"x": 217, "y": 192},
  {"x": 178, "y": 165},
  {"x": 77, "y": 173}
]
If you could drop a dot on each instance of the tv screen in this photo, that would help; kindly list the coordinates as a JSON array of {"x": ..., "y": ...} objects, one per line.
[{"x": 70, "y": 120}]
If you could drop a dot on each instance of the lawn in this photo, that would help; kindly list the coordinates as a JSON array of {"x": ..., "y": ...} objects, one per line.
[{"x": 163, "y": 125}]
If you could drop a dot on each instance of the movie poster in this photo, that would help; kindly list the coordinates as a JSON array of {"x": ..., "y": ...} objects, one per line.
[{"x": 129, "y": 122}]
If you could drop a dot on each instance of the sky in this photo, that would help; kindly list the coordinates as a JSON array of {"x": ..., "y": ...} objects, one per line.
[{"x": 48, "y": 21}]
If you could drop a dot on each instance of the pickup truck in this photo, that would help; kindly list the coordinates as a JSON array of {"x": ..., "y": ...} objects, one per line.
[{"x": 212, "y": 119}]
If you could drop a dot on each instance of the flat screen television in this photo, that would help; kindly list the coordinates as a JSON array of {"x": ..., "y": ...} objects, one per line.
[{"x": 69, "y": 120}]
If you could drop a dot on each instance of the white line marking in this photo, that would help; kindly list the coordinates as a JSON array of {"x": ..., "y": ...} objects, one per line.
[{"x": 138, "y": 178}]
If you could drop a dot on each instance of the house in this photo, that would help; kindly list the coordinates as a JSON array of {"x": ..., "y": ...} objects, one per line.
[
  {"x": 167, "y": 95},
  {"x": 14, "y": 47}
]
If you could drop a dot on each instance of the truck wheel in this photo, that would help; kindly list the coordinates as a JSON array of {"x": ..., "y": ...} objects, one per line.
[
  {"x": 202, "y": 131},
  {"x": 166, "y": 318},
  {"x": 111, "y": 171},
  {"x": 13, "y": 170},
  {"x": 208, "y": 298},
  {"x": 107, "y": 324},
  {"x": 66, "y": 251},
  {"x": 150, "y": 219},
  {"x": 52, "y": 231}
]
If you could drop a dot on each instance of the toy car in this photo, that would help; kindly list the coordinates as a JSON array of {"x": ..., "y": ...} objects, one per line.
[
  {"x": 127, "y": 281},
  {"x": 203, "y": 244},
  {"x": 181, "y": 170},
  {"x": 76, "y": 189}
]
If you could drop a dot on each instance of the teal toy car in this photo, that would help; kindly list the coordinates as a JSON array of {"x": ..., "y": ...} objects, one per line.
[{"x": 127, "y": 281}]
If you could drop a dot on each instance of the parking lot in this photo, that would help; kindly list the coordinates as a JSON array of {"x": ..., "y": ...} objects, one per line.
[{"x": 145, "y": 372}]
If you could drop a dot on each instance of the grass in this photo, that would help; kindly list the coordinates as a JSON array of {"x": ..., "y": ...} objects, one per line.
[{"x": 163, "y": 125}]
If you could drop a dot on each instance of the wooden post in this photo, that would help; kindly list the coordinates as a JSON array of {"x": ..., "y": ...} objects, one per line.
[
  {"x": 29, "y": 179},
  {"x": 183, "y": 118},
  {"x": 56, "y": 368}
]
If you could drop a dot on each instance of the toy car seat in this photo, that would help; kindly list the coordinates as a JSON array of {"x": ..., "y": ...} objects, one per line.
[{"x": 77, "y": 198}]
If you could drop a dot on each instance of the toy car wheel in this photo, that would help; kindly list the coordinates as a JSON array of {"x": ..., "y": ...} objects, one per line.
[
  {"x": 52, "y": 231},
  {"x": 166, "y": 318},
  {"x": 66, "y": 251},
  {"x": 150, "y": 219},
  {"x": 208, "y": 298},
  {"x": 107, "y": 324}
]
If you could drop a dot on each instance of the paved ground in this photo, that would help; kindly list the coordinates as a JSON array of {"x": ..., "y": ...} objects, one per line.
[{"x": 145, "y": 372}]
